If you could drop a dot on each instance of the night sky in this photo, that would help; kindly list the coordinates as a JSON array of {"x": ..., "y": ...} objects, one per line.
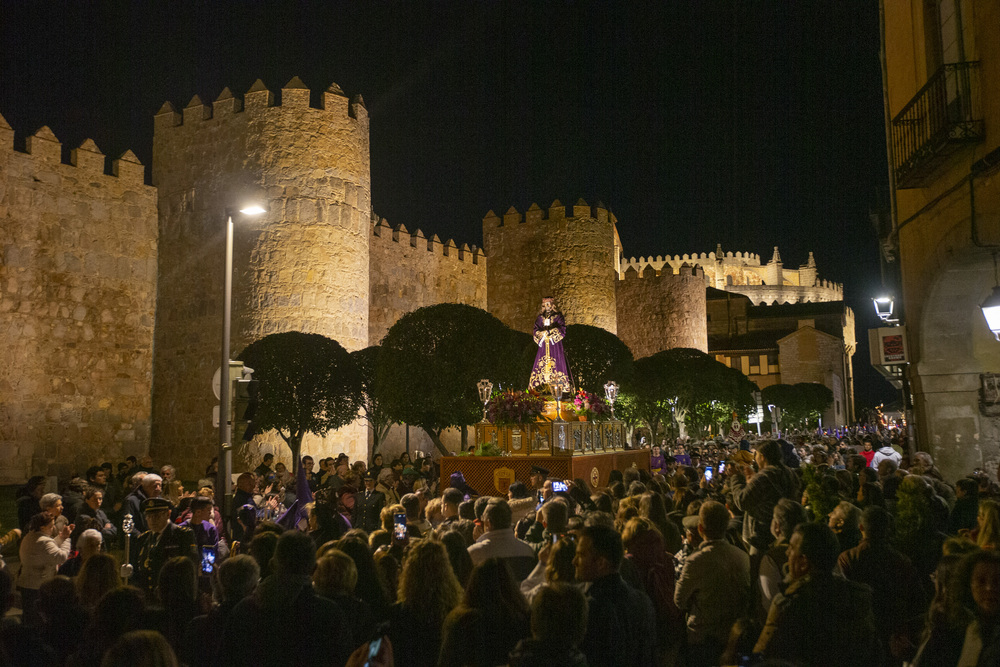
[{"x": 750, "y": 124}]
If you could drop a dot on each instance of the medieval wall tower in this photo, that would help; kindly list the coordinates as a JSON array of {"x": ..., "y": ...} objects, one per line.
[
  {"x": 660, "y": 311},
  {"x": 568, "y": 254},
  {"x": 304, "y": 265}
]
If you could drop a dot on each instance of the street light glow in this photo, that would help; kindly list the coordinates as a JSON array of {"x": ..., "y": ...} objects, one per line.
[
  {"x": 253, "y": 209},
  {"x": 991, "y": 311}
]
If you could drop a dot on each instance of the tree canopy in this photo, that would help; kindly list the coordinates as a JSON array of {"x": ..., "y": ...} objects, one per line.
[
  {"x": 432, "y": 358},
  {"x": 307, "y": 383},
  {"x": 691, "y": 384},
  {"x": 800, "y": 403},
  {"x": 597, "y": 356}
]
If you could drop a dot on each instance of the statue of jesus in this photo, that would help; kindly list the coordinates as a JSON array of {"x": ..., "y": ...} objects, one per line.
[{"x": 551, "y": 367}]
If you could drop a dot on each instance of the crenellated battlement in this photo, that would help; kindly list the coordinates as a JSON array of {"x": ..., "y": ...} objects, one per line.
[
  {"x": 295, "y": 98},
  {"x": 45, "y": 149},
  {"x": 581, "y": 211},
  {"x": 399, "y": 235},
  {"x": 684, "y": 272}
]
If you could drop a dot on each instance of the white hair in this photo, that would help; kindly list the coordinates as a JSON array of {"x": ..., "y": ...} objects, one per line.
[
  {"x": 150, "y": 478},
  {"x": 49, "y": 500},
  {"x": 89, "y": 540}
]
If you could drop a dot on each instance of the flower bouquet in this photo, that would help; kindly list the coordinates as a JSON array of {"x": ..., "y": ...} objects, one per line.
[
  {"x": 514, "y": 407},
  {"x": 590, "y": 407}
]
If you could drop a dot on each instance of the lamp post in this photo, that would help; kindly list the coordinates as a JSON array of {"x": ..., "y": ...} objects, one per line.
[{"x": 224, "y": 483}]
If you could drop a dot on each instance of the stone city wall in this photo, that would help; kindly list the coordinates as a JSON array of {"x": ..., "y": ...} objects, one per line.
[
  {"x": 659, "y": 312},
  {"x": 301, "y": 266},
  {"x": 410, "y": 271},
  {"x": 77, "y": 298},
  {"x": 569, "y": 255}
]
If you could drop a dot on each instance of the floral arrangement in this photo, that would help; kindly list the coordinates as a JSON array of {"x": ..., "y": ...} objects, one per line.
[
  {"x": 514, "y": 407},
  {"x": 590, "y": 406}
]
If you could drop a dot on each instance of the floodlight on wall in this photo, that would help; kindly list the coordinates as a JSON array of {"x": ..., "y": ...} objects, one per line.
[{"x": 883, "y": 308}]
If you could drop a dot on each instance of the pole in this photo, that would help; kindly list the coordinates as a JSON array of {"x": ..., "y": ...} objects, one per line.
[{"x": 225, "y": 478}]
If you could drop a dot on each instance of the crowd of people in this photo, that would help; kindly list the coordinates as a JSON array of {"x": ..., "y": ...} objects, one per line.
[{"x": 811, "y": 550}]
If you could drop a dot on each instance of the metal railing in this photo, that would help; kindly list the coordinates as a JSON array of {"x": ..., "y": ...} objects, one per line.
[{"x": 942, "y": 116}]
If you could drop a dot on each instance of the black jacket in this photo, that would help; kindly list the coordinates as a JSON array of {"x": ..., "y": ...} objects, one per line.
[{"x": 621, "y": 625}]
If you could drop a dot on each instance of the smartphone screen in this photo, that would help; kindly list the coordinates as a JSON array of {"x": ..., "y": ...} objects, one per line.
[
  {"x": 708, "y": 474},
  {"x": 208, "y": 560},
  {"x": 373, "y": 648},
  {"x": 399, "y": 526},
  {"x": 559, "y": 487},
  {"x": 540, "y": 499},
  {"x": 555, "y": 538},
  {"x": 722, "y": 468}
]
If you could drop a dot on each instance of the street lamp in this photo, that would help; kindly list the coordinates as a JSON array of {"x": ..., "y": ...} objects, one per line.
[
  {"x": 225, "y": 480},
  {"x": 991, "y": 311},
  {"x": 883, "y": 308}
]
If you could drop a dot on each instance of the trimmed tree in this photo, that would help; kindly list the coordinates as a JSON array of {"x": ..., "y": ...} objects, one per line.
[
  {"x": 378, "y": 419},
  {"x": 308, "y": 383},
  {"x": 432, "y": 358},
  {"x": 680, "y": 380},
  {"x": 801, "y": 403},
  {"x": 597, "y": 356}
]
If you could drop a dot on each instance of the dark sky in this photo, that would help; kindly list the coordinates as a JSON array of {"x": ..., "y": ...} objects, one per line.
[{"x": 750, "y": 124}]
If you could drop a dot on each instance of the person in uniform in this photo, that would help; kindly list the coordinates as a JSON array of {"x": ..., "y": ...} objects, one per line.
[
  {"x": 161, "y": 542},
  {"x": 368, "y": 505}
]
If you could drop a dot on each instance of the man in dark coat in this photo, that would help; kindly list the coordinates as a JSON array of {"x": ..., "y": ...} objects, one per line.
[
  {"x": 150, "y": 487},
  {"x": 163, "y": 541},
  {"x": 820, "y": 620},
  {"x": 368, "y": 506},
  {"x": 287, "y": 597},
  {"x": 756, "y": 494},
  {"x": 621, "y": 626}
]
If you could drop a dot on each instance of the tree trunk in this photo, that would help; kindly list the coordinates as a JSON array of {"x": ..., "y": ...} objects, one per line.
[
  {"x": 435, "y": 437},
  {"x": 465, "y": 437},
  {"x": 295, "y": 445}
]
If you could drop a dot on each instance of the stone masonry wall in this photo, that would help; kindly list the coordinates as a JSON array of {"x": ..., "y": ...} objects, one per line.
[
  {"x": 410, "y": 271},
  {"x": 659, "y": 312},
  {"x": 77, "y": 298},
  {"x": 569, "y": 255},
  {"x": 301, "y": 266}
]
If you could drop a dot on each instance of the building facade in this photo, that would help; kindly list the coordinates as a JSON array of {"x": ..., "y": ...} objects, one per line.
[{"x": 942, "y": 96}]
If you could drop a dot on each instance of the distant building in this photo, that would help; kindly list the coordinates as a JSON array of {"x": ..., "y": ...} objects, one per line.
[{"x": 787, "y": 344}]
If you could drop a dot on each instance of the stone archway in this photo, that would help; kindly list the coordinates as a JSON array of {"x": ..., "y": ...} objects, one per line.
[{"x": 954, "y": 348}]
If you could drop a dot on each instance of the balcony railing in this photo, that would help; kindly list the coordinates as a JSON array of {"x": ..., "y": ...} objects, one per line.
[{"x": 944, "y": 115}]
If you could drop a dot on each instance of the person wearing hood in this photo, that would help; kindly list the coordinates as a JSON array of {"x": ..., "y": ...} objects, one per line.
[{"x": 886, "y": 453}]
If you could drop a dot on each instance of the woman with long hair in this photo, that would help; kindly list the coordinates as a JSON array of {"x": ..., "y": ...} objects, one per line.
[
  {"x": 491, "y": 620},
  {"x": 988, "y": 525},
  {"x": 98, "y": 576},
  {"x": 653, "y": 508},
  {"x": 428, "y": 591},
  {"x": 368, "y": 588},
  {"x": 977, "y": 585}
]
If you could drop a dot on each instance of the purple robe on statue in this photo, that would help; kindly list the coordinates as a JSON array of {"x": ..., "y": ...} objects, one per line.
[{"x": 551, "y": 368}]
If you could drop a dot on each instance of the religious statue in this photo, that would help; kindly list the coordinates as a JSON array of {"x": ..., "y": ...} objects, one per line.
[{"x": 551, "y": 368}]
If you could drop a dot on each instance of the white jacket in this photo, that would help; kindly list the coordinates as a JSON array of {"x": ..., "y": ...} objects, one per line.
[
  {"x": 41, "y": 557},
  {"x": 885, "y": 453}
]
